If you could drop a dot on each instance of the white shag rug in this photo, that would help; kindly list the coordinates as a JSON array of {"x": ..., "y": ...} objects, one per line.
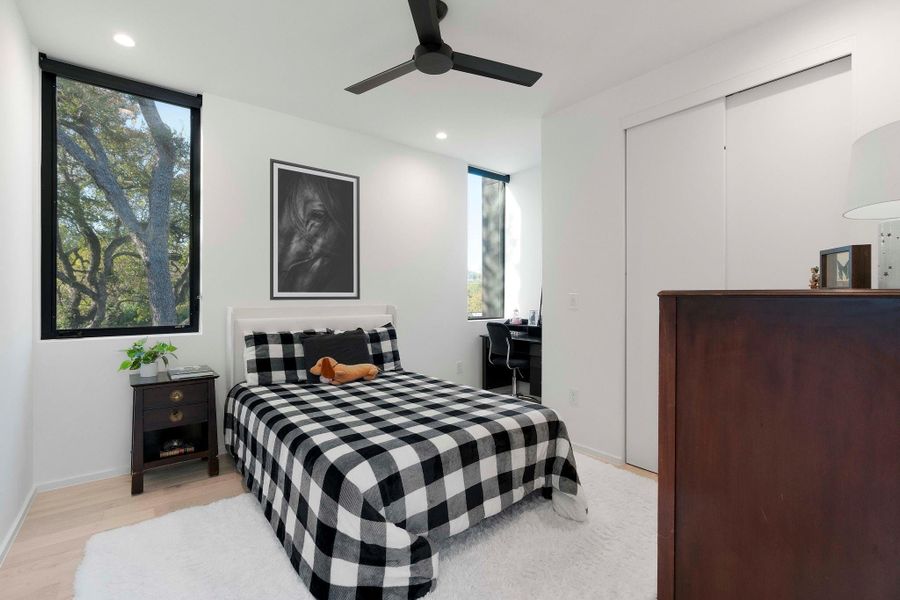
[{"x": 227, "y": 551}]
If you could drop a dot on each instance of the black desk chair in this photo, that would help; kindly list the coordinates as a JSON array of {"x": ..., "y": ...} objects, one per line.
[{"x": 502, "y": 355}]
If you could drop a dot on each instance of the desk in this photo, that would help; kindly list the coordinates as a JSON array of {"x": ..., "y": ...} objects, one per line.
[{"x": 498, "y": 376}]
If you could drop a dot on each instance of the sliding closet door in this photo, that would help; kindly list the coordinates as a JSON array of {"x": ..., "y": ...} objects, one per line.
[
  {"x": 788, "y": 154},
  {"x": 675, "y": 240}
]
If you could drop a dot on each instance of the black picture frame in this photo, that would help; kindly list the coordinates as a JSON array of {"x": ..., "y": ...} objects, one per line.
[
  {"x": 854, "y": 273},
  {"x": 338, "y": 278},
  {"x": 50, "y": 70}
]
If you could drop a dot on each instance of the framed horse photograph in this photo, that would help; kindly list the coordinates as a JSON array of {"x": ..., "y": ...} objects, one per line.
[{"x": 315, "y": 233}]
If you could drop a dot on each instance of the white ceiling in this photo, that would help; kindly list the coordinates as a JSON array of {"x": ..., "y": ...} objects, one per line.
[{"x": 297, "y": 56}]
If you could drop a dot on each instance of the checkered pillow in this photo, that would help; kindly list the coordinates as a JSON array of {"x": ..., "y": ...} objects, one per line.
[
  {"x": 383, "y": 347},
  {"x": 276, "y": 357}
]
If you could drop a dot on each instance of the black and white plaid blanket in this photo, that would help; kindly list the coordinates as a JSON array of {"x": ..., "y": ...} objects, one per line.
[{"x": 362, "y": 482}]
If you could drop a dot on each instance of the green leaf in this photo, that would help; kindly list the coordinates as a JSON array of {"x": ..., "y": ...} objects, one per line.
[
  {"x": 125, "y": 366},
  {"x": 140, "y": 354}
]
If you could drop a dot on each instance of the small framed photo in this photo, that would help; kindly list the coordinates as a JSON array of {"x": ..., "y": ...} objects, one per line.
[
  {"x": 847, "y": 267},
  {"x": 315, "y": 233}
]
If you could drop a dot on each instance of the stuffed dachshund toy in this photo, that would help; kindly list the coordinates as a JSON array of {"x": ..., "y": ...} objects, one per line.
[{"x": 330, "y": 371}]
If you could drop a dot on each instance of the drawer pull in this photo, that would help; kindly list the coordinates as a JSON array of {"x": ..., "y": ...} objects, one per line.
[
  {"x": 176, "y": 415},
  {"x": 176, "y": 396}
]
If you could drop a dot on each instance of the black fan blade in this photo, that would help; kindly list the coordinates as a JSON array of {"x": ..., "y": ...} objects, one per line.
[
  {"x": 383, "y": 77},
  {"x": 493, "y": 69},
  {"x": 425, "y": 17}
]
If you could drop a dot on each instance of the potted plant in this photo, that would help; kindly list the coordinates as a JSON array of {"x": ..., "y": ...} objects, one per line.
[{"x": 144, "y": 358}]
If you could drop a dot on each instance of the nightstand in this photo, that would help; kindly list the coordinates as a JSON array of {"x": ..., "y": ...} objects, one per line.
[{"x": 166, "y": 410}]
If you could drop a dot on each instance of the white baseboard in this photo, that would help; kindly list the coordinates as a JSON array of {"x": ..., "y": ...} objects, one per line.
[
  {"x": 618, "y": 460},
  {"x": 7, "y": 542},
  {"x": 89, "y": 477},
  {"x": 86, "y": 478}
]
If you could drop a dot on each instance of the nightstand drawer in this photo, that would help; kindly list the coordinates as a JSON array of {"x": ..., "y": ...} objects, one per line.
[
  {"x": 173, "y": 417},
  {"x": 173, "y": 396}
]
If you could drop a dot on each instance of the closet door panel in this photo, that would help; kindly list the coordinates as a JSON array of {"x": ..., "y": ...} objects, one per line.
[
  {"x": 786, "y": 177},
  {"x": 675, "y": 240}
]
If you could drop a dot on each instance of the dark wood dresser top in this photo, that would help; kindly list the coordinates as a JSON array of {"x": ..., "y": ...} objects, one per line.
[{"x": 787, "y": 293}]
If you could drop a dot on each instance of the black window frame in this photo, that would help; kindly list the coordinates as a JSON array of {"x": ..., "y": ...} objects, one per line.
[
  {"x": 50, "y": 70},
  {"x": 484, "y": 173}
]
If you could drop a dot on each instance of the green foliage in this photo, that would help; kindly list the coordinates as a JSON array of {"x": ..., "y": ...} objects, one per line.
[
  {"x": 475, "y": 298},
  {"x": 103, "y": 276},
  {"x": 139, "y": 354}
]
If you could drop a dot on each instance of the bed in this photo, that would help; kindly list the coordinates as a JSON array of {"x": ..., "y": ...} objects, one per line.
[{"x": 362, "y": 483}]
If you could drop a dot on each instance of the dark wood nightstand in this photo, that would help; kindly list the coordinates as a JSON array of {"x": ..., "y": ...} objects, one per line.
[{"x": 166, "y": 410}]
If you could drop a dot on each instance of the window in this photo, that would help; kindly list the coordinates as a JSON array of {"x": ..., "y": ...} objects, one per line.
[
  {"x": 120, "y": 180},
  {"x": 486, "y": 237}
]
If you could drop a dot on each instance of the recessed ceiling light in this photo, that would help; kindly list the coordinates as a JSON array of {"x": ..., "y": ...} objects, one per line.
[
  {"x": 441, "y": 135},
  {"x": 123, "y": 39}
]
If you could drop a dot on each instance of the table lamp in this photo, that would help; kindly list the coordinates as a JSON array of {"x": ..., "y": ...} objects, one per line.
[{"x": 874, "y": 190}]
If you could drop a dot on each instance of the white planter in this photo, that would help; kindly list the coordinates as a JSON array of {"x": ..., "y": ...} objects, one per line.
[{"x": 149, "y": 370}]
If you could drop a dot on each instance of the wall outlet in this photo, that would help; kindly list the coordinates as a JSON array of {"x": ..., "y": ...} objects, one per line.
[
  {"x": 573, "y": 301},
  {"x": 459, "y": 368},
  {"x": 573, "y": 397}
]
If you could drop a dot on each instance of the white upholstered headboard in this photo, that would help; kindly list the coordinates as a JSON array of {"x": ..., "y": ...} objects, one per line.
[{"x": 295, "y": 318}]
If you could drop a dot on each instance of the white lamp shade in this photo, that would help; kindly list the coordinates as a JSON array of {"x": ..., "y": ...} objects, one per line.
[{"x": 874, "y": 190}]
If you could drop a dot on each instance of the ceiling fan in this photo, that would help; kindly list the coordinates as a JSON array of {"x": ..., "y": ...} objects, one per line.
[{"x": 434, "y": 57}]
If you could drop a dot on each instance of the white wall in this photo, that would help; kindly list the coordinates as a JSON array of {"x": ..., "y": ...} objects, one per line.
[
  {"x": 413, "y": 254},
  {"x": 583, "y": 168},
  {"x": 523, "y": 242},
  {"x": 18, "y": 62}
]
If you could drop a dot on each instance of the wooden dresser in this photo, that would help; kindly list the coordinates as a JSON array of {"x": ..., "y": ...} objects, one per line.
[{"x": 779, "y": 445}]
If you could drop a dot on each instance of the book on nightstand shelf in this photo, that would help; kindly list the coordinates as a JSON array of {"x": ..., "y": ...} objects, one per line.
[
  {"x": 176, "y": 451},
  {"x": 190, "y": 372}
]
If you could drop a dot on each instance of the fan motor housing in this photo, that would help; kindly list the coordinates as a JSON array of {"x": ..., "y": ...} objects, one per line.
[{"x": 434, "y": 60}]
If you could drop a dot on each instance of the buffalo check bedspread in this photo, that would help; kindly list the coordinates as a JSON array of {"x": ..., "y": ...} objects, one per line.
[{"x": 363, "y": 482}]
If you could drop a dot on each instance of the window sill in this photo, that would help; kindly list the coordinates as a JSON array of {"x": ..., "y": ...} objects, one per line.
[{"x": 124, "y": 336}]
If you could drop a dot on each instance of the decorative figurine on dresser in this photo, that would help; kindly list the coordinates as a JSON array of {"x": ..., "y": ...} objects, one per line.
[
  {"x": 174, "y": 421},
  {"x": 814, "y": 278}
]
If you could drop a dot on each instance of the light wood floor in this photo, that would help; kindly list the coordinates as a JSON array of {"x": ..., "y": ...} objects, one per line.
[
  {"x": 42, "y": 561},
  {"x": 632, "y": 469}
]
